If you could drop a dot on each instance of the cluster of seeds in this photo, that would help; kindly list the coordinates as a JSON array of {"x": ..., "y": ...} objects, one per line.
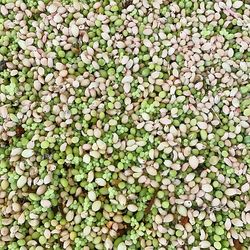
[{"x": 124, "y": 124}]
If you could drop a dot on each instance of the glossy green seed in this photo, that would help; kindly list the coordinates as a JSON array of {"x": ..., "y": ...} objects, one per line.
[
  {"x": 165, "y": 204},
  {"x": 203, "y": 134},
  {"x": 64, "y": 182},
  {"x": 219, "y": 230},
  {"x": 217, "y": 245},
  {"x": 42, "y": 240},
  {"x": 207, "y": 223},
  {"x": 34, "y": 197},
  {"x": 247, "y": 139},
  {"x": 44, "y": 144}
]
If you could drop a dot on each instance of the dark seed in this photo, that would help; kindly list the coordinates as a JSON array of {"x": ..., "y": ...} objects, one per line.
[
  {"x": 3, "y": 65},
  {"x": 124, "y": 230},
  {"x": 127, "y": 3},
  {"x": 184, "y": 220},
  {"x": 237, "y": 245},
  {"x": 20, "y": 131},
  {"x": 151, "y": 203}
]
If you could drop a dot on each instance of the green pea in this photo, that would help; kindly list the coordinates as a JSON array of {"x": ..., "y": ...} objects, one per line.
[
  {"x": 146, "y": 72},
  {"x": 35, "y": 235},
  {"x": 118, "y": 241},
  {"x": 108, "y": 208},
  {"x": 126, "y": 219},
  {"x": 44, "y": 144},
  {"x": 219, "y": 230},
  {"x": 114, "y": 8},
  {"x": 207, "y": 223},
  {"x": 21, "y": 242},
  {"x": 34, "y": 197},
  {"x": 247, "y": 139},
  {"x": 61, "y": 53},
  {"x": 42, "y": 240},
  {"x": 139, "y": 215},
  {"x": 118, "y": 22},
  {"x": 64, "y": 182},
  {"x": 217, "y": 245},
  {"x": 165, "y": 204},
  {"x": 122, "y": 185},
  {"x": 178, "y": 233},
  {"x": 203, "y": 134},
  {"x": 218, "y": 194}
]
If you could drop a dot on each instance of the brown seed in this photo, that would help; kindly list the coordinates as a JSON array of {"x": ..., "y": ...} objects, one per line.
[
  {"x": 237, "y": 245},
  {"x": 115, "y": 182},
  {"x": 109, "y": 224},
  {"x": 150, "y": 203},
  {"x": 184, "y": 220},
  {"x": 122, "y": 231},
  {"x": 19, "y": 131}
]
